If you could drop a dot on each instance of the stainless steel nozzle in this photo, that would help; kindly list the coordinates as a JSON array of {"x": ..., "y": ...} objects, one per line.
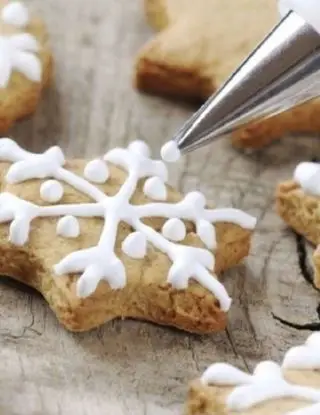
[{"x": 281, "y": 73}]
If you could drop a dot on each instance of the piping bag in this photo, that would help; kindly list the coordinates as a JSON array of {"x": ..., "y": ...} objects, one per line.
[{"x": 281, "y": 73}]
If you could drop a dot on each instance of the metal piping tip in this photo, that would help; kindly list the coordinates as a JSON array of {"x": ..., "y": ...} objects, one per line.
[{"x": 281, "y": 73}]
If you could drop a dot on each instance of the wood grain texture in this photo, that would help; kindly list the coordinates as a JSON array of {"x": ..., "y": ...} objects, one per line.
[{"x": 133, "y": 367}]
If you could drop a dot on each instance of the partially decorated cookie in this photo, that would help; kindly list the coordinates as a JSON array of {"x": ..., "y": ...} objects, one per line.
[
  {"x": 197, "y": 47},
  {"x": 108, "y": 238},
  {"x": 298, "y": 204},
  {"x": 292, "y": 388},
  {"x": 25, "y": 62}
]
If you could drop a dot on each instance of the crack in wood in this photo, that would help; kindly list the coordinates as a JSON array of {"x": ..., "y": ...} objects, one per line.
[
  {"x": 305, "y": 267},
  {"x": 307, "y": 273},
  {"x": 235, "y": 351},
  {"x": 193, "y": 354},
  {"x": 308, "y": 326}
]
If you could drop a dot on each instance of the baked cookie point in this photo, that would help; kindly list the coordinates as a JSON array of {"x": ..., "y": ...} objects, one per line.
[{"x": 108, "y": 238}]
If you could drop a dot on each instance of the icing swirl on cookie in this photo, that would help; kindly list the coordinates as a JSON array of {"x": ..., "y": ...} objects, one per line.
[
  {"x": 268, "y": 382},
  {"x": 101, "y": 262}
]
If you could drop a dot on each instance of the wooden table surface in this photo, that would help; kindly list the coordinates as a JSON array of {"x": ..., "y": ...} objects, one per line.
[{"x": 129, "y": 367}]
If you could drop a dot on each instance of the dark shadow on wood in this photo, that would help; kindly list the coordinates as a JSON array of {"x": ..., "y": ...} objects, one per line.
[
  {"x": 307, "y": 273},
  {"x": 304, "y": 265},
  {"x": 17, "y": 285},
  {"x": 307, "y": 326}
]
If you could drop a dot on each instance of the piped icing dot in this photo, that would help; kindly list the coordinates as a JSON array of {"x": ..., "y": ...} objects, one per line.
[
  {"x": 96, "y": 171},
  {"x": 51, "y": 191},
  {"x": 170, "y": 152},
  {"x": 68, "y": 227},
  {"x": 140, "y": 147},
  {"x": 155, "y": 188},
  {"x": 135, "y": 245},
  {"x": 174, "y": 229},
  {"x": 197, "y": 199},
  {"x": 307, "y": 175},
  {"x": 16, "y": 14}
]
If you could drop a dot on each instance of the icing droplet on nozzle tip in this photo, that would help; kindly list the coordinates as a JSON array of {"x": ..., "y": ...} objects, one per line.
[{"x": 170, "y": 152}]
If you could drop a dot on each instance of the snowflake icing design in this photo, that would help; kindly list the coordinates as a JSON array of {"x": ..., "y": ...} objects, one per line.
[
  {"x": 268, "y": 382},
  {"x": 100, "y": 262},
  {"x": 18, "y": 52}
]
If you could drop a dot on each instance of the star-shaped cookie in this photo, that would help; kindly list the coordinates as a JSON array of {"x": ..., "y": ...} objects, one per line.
[
  {"x": 289, "y": 388},
  {"x": 298, "y": 204},
  {"x": 199, "y": 44},
  {"x": 25, "y": 62}
]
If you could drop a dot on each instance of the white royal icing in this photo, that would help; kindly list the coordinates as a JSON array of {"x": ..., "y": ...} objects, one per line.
[
  {"x": 96, "y": 171},
  {"x": 68, "y": 227},
  {"x": 311, "y": 410},
  {"x": 207, "y": 233},
  {"x": 135, "y": 245},
  {"x": 51, "y": 191},
  {"x": 174, "y": 229},
  {"x": 170, "y": 152},
  {"x": 16, "y": 14},
  {"x": 100, "y": 262},
  {"x": 155, "y": 189},
  {"x": 139, "y": 147},
  {"x": 307, "y": 175},
  {"x": 18, "y": 52},
  {"x": 267, "y": 381},
  {"x": 305, "y": 357}
]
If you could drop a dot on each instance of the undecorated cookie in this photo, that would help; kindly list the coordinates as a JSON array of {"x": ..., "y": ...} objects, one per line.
[
  {"x": 25, "y": 62},
  {"x": 99, "y": 243},
  {"x": 197, "y": 47},
  {"x": 292, "y": 388}
]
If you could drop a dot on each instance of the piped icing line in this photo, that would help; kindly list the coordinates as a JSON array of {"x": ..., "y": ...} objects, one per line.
[
  {"x": 18, "y": 52},
  {"x": 100, "y": 262},
  {"x": 268, "y": 380}
]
